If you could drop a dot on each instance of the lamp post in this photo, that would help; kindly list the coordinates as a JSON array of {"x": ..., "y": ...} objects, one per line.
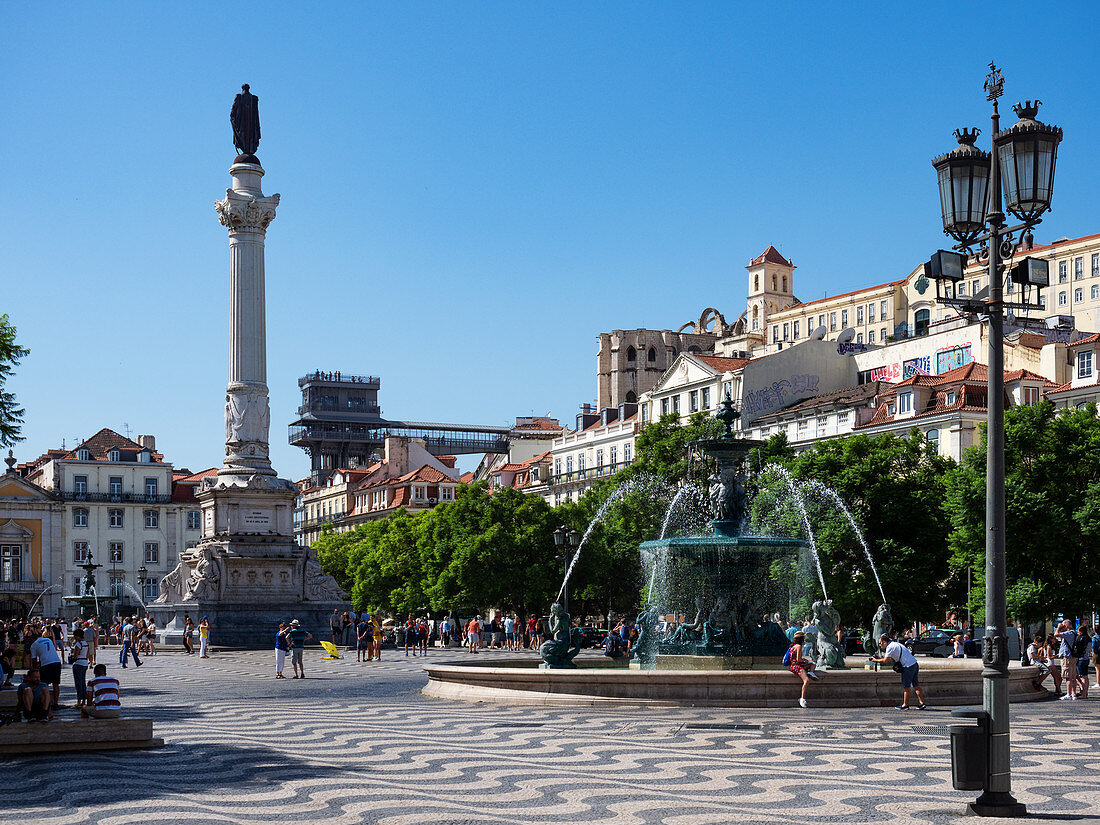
[
  {"x": 970, "y": 183},
  {"x": 142, "y": 573},
  {"x": 566, "y": 538}
]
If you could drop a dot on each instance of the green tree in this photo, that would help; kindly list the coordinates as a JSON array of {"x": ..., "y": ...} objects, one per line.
[
  {"x": 1052, "y": 512},
  {"x": 11, "y": 416},
  {"x": 894, "y": 487}
]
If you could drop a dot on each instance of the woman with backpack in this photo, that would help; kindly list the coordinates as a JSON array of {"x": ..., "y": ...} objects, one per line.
[{"x": 802, "y": 668}]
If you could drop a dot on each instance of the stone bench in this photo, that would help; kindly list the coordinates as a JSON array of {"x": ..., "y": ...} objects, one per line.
[{"x": 78, "y": 735}]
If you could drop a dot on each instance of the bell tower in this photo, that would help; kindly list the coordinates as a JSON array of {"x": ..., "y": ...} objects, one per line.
[{"x": 771, "y": 289}]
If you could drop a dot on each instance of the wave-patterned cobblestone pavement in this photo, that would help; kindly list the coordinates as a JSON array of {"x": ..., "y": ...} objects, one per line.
[{"x": 356, "y": 743}]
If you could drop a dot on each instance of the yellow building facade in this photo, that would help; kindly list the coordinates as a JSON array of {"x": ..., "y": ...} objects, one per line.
[{"x": 30, "y": 530}]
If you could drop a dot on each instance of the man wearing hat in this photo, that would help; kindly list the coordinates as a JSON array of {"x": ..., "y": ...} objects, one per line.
[{"x": 298, "y": 639}]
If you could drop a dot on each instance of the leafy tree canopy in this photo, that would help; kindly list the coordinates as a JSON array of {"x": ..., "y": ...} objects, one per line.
[
  {"x": 11, "y": 415},
  {"x": 1052, "y": 511}
]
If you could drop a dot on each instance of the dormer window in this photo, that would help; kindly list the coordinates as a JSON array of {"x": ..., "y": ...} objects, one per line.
[
  {"x": 83, "y": 454},
  {"x": 950, "y": 397},
  {"x": 145, "y": 457},
  {"x": 1084, "y": 364},
  {"x": 905, "y": 402},
  {"x": 114, "y": 455}
]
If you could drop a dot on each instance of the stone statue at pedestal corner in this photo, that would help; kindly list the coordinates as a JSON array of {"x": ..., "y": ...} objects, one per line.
[
  {"x": 563, "y": 645},
  {"x": 206, "y": 577},
  {"x": 883, "y": 622},
  {"x": 827, "y": 619},
  {"x": 172, "y": 585},
  {"x": 319, "y": 586},
  {"x": 645, "y": 649},
  {"x": 245, "y": 118}
]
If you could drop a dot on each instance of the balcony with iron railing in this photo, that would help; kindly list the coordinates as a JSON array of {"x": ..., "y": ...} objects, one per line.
[
  {"x": 115, "y": 498},
  {"x": 326, "y": 407},
  {"x": 371, "y": 381},
  {"x": 22, "y": 586}
]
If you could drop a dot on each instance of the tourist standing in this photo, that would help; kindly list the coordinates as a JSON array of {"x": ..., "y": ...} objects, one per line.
[
  {"x": 1067, "y": 637},
  {"x": 376, "y": 630},
  {"x": 364, "y": 639},
  {"x": 188, "y": 635},
  {"x": 128, "y": 634},
  {"x": 472, "y": 635},
  {"x": 410, "y": 634},
  {"x": 204, "y": 638},
  {"x": 282, "y": 645},
  {"x": 346, "y": 625},
  {"x": 49, "y": 662},
  {"x": 910, "y": 670},
  {"x": 445, "y": 631},
  {"x": 298, "y": 639},
  {"x": 509, "y": 633},
  {"x": 1081, "y": 649},
  {"x": 78, "y": 656},
  {"x": 423, "y": 634},
  {"x": 335, "y": 625},
  {"x": 151, "y": 635}
]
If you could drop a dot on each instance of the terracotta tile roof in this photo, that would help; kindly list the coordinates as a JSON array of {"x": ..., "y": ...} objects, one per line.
[
  {"x": 466, "y": 478},
  {"x": 1069, "y": 386},
  {"x": 540, "y": 424},
  {"x": 770, "y": 255},
  {"x": 426, "y": 474},
  {"x": 720, "y": 363},
  {"x": 841, "y": 295},
  {"x": 1018, "y": 375},
  {"x": 100, "y": 444},
  {"x": 1092, "y": 339},
  {"x": 197, "y": 477},
  {"x": 858, "y": 394},
  {"x": 1045, "y": 247}
]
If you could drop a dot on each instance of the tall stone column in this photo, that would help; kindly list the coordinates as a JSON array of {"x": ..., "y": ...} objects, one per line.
[{"x": 246, "y": 212}]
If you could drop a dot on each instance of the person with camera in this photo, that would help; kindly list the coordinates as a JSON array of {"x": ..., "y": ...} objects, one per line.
[{"x": 905, "y": 663}]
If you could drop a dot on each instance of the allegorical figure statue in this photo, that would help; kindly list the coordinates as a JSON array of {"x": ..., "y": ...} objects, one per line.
[
  {"x": 827, "y": 619},
  {"x": 561, "y": 647},
  {"x": 720, "y": 497},
  {"x": 883, "y": 623},
  {"x": 645, "y": 649},
  {"x": 172, "y": 585},
  {"x": 245, "y": 117}
]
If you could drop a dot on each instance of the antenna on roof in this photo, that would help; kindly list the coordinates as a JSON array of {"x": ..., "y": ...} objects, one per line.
[{"x": 126, "y": 427}]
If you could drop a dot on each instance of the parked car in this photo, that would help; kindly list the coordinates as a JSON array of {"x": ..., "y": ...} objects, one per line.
[
  {"x": 932, "y": 643},
  {"x": 853, "y": 641},
  {"x": 592, "y": 636}
]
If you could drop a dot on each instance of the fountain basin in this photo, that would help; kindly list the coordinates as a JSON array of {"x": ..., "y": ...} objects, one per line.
[{"x": 602, "y": 682}]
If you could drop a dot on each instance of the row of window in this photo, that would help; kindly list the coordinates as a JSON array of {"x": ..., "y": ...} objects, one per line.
[
  {"x": 114, "y": 485},
  {"x": 612, "y": 454},
  {"x": 84, "y": 454},
  {"x": 116, "y": 517},
  {"x": 116, "y": 552},
  {"x": 1078, "y": 268},
  {"x": 792, "y": 331},
  {"x": 632, "y": 354},
  {"x": 1078, "y": 295}
]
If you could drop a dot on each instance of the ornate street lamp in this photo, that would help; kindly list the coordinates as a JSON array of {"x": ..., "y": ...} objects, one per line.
[
  {"x": 964, "y": 187},
  {"x": 1027, "y": 152},
  {"x": 968, "y": 177}
]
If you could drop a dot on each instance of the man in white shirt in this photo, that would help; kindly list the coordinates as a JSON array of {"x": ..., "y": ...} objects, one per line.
[
  {"x": 45, "y": 651},
  {"x": 897, "y": 652}
]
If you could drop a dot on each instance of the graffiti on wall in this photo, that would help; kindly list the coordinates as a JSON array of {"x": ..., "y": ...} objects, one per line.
[
  {"x": 952, "y": 357},
  {"x": 921, "y": 365},
  {"x": 888, "y": 372},
  {"x": 780, "y": 393}
]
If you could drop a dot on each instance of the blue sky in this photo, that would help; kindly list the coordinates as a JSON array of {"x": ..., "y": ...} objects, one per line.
[{"x": 471, "y": 192}]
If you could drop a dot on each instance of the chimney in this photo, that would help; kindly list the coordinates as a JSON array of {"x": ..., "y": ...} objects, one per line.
[{"x": 149, "y": 442}]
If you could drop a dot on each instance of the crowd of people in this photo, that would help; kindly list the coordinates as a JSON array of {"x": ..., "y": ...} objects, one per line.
[{"x": 42, "y": 646}]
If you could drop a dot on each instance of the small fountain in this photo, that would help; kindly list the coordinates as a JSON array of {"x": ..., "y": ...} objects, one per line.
[
  {"x": 89, "y": 600},
  {"x": 725, "y": 576}
]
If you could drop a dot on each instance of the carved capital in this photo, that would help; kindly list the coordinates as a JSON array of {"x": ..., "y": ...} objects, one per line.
[{"x": 240, "y": 211}]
